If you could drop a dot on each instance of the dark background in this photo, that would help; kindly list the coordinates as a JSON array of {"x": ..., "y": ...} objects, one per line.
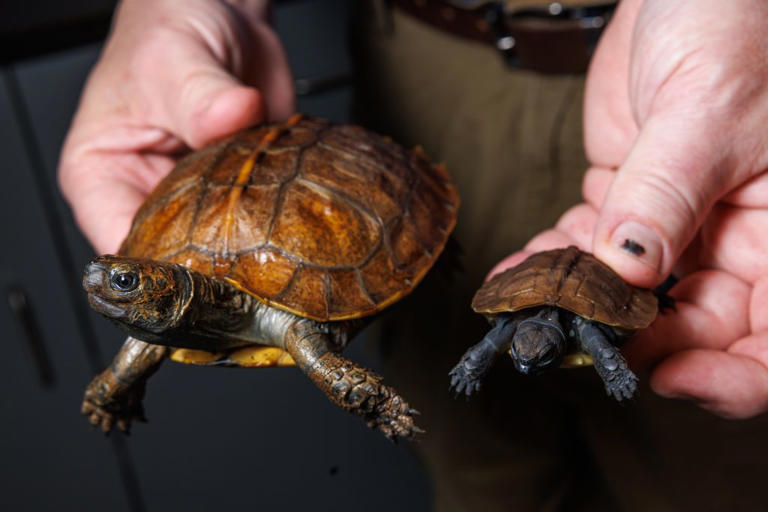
[{"x": 218, "y": 439}]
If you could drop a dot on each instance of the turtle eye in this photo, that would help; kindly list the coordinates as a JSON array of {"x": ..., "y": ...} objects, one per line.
[
  {"x": 124, "y": 281},
  {"x": 547, "y": 356}
]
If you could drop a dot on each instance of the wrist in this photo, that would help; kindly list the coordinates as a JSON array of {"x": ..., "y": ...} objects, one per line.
[{"x": 253, "y": 10}]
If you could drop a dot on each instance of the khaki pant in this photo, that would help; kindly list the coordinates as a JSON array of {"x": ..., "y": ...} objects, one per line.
[{"x": 512, "y": 141}]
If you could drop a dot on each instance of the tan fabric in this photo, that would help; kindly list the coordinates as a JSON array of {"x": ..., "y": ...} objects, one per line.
[
  {"x": 519, "y": 4},
  {"x": 519, "y": 133},
  {"x": 512, "y": 140}
]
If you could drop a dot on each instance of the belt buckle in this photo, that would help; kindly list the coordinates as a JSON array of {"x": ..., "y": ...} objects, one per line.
[{"x": 550, "y": 39}]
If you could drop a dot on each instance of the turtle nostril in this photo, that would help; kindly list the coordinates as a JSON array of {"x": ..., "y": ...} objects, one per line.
[
  {"x": 93, "y": 278},
  {"x": 548, "y": 355}
]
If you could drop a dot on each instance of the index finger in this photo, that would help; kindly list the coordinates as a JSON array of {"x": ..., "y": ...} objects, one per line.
[{"x": 711, "y": 312}]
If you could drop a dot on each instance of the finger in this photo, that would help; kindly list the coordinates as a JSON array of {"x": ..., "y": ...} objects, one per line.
[
  {"x": 594, "y": 188},
  {"x": 758, "y": 306},
  {"x": 658, "y": 199},
  {"x": 105, "y": 190},
  {"x": 711, "y": 312},
  {"x": 204, "y": 97},
  {"x": 609, "y": 125},
  {"x": 752, "y": 194},
  {"x": 270, "y": 71},
  {"x": 192, "y": 93},
  {"x": 573, "y": 228},
  {"x": 733, "y": 239},
  {"x": 730, "y": 385},
  {"x": 544, "y": 241},
  {"x": 509, "y": 262},
  {"x": 754, "y": 346},
  {"x": 217, "y": 109},
  {"x": 578, "y": 224}
]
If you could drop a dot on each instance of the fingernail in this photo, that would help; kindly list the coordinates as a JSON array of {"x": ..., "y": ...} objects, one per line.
[
  {"x": 697, "y": 400},
  {"x": 640, "y": 242}
]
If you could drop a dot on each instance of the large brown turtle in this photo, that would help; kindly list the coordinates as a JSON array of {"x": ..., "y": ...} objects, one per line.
[
  {"x": 272, "y": 248},
  {"x": 558, "y": 307}
]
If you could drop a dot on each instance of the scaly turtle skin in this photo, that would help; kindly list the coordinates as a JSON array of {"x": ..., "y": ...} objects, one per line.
[
  {"x": 560, "y": 306},
  {"x": 272, "y": 248}
]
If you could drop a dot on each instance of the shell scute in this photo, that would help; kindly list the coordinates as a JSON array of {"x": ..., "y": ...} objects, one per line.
[
  {"x": 380, "y": 194},
  {"x": 382, "y": 280},
  {"x": 265, "y": 272},
  {"x": 307, "y": 293},
  {"x": 347, "y": 284},
  {"x": 320, "y": 227}
]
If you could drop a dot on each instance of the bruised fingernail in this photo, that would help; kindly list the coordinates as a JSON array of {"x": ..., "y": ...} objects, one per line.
[
  {"x": 639, "y": 241},
  {"x": 633, "y": 247}
]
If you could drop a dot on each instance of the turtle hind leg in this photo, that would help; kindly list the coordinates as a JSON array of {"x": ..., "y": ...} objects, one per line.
[
  {"x": 620, "y": 382},
  {"x": 467, "y": 375},
  {"x": 352, "y": 387},
  {"x": 114, "y": 397}
]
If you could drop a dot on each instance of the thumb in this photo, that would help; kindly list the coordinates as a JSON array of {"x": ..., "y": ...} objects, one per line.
[
  {"x": 199, "y": 100},
  {"x": 659, "y": 198},
  {"x": 215, "y": 102},
  {"x": 217, "y": 106},
  {"x": 200, "y": 87}
]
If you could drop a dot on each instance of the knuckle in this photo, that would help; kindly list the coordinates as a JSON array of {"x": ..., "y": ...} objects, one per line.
[{"x": 670, "y": 198}]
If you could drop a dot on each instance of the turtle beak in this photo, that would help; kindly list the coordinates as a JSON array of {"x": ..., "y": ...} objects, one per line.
[
  {"x": 96, "y": 284},
  {"x": 524, "y": 368},
  {"x": 106, "y": 308},
  {"x": 95, "y": 276}
]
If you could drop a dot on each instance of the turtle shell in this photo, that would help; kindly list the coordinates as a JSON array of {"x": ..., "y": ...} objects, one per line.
[
  {"x": 329, "y": 222},
  {"x": 573, "y": 280}
]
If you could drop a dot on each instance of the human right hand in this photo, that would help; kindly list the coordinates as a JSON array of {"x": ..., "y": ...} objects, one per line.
[
  {"x": 174, "y": 74},
  {"x": 675, "y": 114}
]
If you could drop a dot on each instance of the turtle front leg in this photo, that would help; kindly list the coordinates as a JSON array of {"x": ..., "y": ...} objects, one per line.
[
  {"x": 620, "y": 382},
  {"x": 467, "y": 376},
  {"x": 113, "y": 398},
  {"x": 350, "y": 386}
]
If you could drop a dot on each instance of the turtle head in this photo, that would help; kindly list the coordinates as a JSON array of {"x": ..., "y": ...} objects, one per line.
[
  {"x": 539, "y": 343},
  {"x": 142, "y": 296}
]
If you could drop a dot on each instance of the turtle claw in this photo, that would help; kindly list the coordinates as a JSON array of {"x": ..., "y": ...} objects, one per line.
[
  {"x": 394, "y": 418},
  {"x": 623, "y": 387},
  {"x": 620, "y": 382},
  {"x": 124, "y": 426},
  {"x": 467, "y": 375},
  {"x": 108, "y": 420},
  {"x": 394, "y": 428},
  {"x": 104, "y": 420},
  {"x": 464, "y": 380},
  {"x": 109, "y": 410}
]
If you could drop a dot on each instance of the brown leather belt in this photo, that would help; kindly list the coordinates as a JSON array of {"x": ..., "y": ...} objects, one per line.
[{"x": 547, "y": 39}]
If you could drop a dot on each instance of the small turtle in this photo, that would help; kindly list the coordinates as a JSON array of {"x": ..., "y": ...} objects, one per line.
[
  {"x": 558, "y": 308},
  {"x": 272, "y": 248}
]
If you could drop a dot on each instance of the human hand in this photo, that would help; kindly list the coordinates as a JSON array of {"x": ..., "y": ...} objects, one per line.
[
  {"x": 675, "y": 113},
  {"x": 174, "y": 74}
]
